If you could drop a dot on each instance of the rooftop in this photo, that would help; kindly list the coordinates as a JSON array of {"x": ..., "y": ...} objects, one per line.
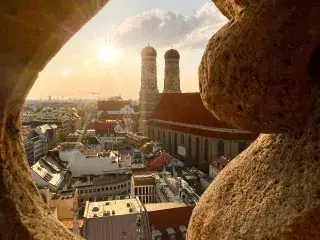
[
  {"x": 112, "y": 208},
  {"x": 50, "y": 177}
]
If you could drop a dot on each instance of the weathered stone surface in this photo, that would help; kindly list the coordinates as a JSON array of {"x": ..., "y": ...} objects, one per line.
[
  {"x": 31, "y": 33},
  {"x": 270, "y": 191},
  {"x": 230, "y": 8},
  {"x": 253, "y": 74}
]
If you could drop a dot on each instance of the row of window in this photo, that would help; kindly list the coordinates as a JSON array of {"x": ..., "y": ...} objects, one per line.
[
  {"x": 220, "y": 145},
  {"x": 102, "y": 189},
  {"x": 143, "y": 190},
  {"x": 103, "y": 198},
  {"x": 146, "y": 199}
]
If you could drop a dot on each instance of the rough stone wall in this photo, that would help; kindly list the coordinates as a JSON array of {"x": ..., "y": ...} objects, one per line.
[
  {"x": 256, "y": 75},
  {"x": 31, "y": 33}
]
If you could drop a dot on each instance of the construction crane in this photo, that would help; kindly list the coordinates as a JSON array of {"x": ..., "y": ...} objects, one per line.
[{"x": 95, "y": 94}]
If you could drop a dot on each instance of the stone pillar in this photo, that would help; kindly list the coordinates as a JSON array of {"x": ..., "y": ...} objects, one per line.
[
  {"x": 272, "y": 189},
  {"x": 32, "y": 32}
]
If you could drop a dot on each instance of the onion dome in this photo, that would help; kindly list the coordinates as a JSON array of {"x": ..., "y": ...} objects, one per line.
[
  {"x": 172, "y": 53},
  {"x": 148, "y": 52}
]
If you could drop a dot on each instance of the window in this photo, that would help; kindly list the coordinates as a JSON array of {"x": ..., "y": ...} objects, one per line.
[
  {"x": 81, "y": 191},
  {"x": 85, "y": 191},
  {"x": 220, "y": 148},
  {"x": 125, "y": 184},
  {"x": 175, "y": 143},
  {"x": 182, "y": 138},
  {"x": 118, "y": 186},
  {"x": 107, "y": 188},
  {"x": 90, "y": 190},
  {"x": 98, "y": 189},
  {"x": 102, "y": 189},
  {"x": 94, "y": 190},
  {"x": 164, "y": 138},
  {"x": 206, "y": 150},
  {"x": 115, "y": 187},
  {"x": 189, "y": 148},
  {"x": 135, "y": 191},
  {"x": 197, "y": 149},
  {"x": 241, "y": 146},
  {"x": 169, "y": 141}
]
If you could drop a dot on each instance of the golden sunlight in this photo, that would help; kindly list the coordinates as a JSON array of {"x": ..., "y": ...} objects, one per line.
[{"x": 106, "y": 53}]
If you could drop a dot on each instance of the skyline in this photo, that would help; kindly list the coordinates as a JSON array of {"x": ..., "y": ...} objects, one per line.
[{"x": 104, "y": 56}]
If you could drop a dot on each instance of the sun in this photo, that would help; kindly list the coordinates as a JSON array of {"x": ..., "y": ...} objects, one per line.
[{"x": 106, "y": 53}]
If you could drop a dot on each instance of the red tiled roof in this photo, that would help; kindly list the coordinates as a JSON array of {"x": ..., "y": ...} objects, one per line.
[
  {"x": 102, "y": 127},
  {"x": 172, "y": 217},
  {"x": 106, "y": 116},
  {"x": 188, "y": 108},
  {"x": 185, "y": 108},
  {"x": 204, "y": 133},
  {"x": 163, "y": 159},
  {"x": 111, "y": 105}
]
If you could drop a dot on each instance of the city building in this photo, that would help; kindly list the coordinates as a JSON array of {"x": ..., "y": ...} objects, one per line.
[
  {"x": 118, "y": 219},
  {"x": 169, "y": 220},
  {"x": 116, "y": 109},
  {"x": 102, "y": 187},
  {"x": 87, "y": 137},
  {"x": 180, "y": 121},
  {"x": 35, "y": 143},
  {"x": 51, "y": 172},
  {"x": 143, "y": 185},
  {"x": 91, "y": 162},
  {"x": 196, "y": 135}
]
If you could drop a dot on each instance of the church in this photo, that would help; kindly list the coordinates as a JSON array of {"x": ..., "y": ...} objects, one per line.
[{"x": 180, "y": 121}]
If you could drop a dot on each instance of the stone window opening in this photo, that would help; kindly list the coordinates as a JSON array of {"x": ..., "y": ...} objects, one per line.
[
  {"x": 197, "y": 149},
  {"x": 313, "y": 67},
  {"x": 182, "y": 139},
  {"x": 206, "y": 150},
  {"x": 220, "y": 148}
]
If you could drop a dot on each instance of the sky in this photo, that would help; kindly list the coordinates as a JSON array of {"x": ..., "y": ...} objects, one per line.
[{"x": 104, "y": 56}]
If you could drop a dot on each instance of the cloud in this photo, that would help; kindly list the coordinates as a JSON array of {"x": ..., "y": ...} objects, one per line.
[{"x": 163, "y": 29}]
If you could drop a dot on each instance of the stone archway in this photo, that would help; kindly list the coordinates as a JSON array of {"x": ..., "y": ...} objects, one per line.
[
  {"x": 32, "y": 32},
  {"x": 267, "y": 43}
]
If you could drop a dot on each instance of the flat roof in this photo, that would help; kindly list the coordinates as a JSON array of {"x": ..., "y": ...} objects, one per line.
[
  {"x": 112, "y": 208},
  {"x": 161, "y": 206}
]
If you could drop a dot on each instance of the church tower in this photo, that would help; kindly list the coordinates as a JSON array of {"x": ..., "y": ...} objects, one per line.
[
  {"x": 149, "y": 95},
  {"x": 172, "y": 72}
]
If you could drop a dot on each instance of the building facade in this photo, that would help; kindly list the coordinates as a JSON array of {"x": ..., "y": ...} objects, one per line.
[{"x": 188, "y": 130}]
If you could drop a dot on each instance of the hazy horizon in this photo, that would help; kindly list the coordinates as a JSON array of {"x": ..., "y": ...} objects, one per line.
[{"x": 104, "y": 56}]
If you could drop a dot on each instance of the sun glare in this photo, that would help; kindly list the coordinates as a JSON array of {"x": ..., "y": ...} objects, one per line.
[{"x": 106, "y": 53}]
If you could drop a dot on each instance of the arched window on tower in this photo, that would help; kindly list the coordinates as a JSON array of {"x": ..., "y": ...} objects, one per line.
[
  {"x": 189, "y": 148},
  {"x": 169, "y": 141},
  {"x": 197, "y": 149},
  {"x": 220, "y": 148},
  {"x": 175, "y": 143},
  {"x": 182, "y": 138},
  {"x": 241, "y": 146},
  {"x": 206, "y": 150}
]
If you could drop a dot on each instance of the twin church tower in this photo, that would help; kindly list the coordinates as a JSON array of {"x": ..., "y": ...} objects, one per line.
[{"x": 149, "y": 95}]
